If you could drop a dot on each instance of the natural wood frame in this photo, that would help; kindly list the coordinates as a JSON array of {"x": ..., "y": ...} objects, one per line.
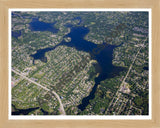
[{"x": 4, "y": 9}]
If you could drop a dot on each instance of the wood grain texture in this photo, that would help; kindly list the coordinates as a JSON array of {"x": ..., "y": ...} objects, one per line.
[{"x": 6, "y": 4}]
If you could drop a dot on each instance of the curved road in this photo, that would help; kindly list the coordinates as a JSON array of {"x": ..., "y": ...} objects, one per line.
[{"x": 62, "y": 111}]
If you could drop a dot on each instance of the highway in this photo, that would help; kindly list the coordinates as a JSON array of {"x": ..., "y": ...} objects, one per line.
[{"x": 62, "y": 111}]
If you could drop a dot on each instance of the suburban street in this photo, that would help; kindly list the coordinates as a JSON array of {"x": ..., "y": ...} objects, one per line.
[
  {"x": 62, "y": 111},
  {"x": 117, "y": 93}
]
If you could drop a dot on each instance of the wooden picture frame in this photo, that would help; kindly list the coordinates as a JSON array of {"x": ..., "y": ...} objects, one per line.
[{"x": 4, "y": 57}]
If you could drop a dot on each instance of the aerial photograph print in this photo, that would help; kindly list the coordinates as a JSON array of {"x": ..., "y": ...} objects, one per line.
[{"x": 79, "y": 63}]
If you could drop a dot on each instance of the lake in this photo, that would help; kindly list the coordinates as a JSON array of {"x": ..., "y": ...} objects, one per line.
[
  {"x": 105, "y": 68},
  {"x": 37, "y": 25},
  {"x": 16, "y": 34}
]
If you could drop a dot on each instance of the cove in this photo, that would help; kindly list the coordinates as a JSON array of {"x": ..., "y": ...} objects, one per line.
[
  {"x": 26, "y": 111},
  {"x": 105, "y": 68},
  {"x": 23, "y": 111},
  {"x": 37, "y": 25},
  {"x": 16, "y": 34}
]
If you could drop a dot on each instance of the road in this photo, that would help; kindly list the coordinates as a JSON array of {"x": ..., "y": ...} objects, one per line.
[
  {"x": 62, "y": 111},
  {"x": 117, "y": 93},
  {"x": 130, "y": 68}
]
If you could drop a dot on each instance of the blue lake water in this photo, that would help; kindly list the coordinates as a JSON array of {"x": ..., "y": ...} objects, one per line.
[
  {"x": 22, "y": 111},
  {"x": 37, "y": 25},
  {"x": 16, "y": 34},
  {"x": 104, "y": 57}
]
